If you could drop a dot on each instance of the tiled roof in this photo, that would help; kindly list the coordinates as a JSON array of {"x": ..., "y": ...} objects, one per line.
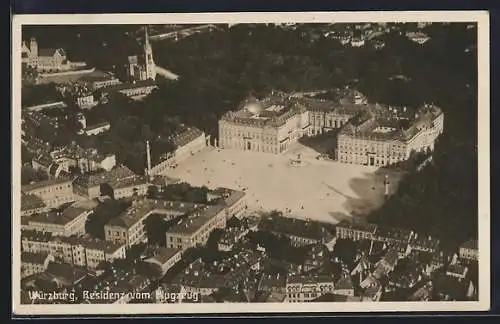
[
  {"x": 344, "y": 282},
  {"x": 92, "y": 244},
  {"x": 360, "y": 226},
  {"x": 29, "y": 202},
  {"x": 309, "y": 279},
  {"x": 142, "y": 207},
  {"x": 229, "y": 196},
  {"x": 338, "y": 298},
  {"x": 196, "y": 220},
  {"x": 186, "y": 136},
  {"x": 129, "y": 86},
  {"x": 294, "y": 226},
  {"x": 47, "y": 52},
  {"x": 35, "y": 258},
  {"x": 128, "y": 182},
  {"x": 94, "y": 179},
  {"x": 42, "y": 184},
  {"x": 163, "y": 255},
  {"x": 471, "y": 244}
]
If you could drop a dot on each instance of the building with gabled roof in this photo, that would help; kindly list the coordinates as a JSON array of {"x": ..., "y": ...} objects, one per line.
[
  {"x": 196, "y": 228},
  {"x": 128, "y": 228},
  {"x": 469, "y": 250},
  {"x": 32, "y": 204},
  {"x": 344, "y": 286},
  {"x": 305, "y": 288},
  {"x": 32, "y": 263},
  {"x": 165, "y": 258},
  {"x": 301, "y": 232},
  {"x": 66, "y": 222},
  {"x": 53, "y": 192},
  {"x": 90, "y": 184},
  {"x": 78, "y": 250},
  {"x": 234, "y": 200}
]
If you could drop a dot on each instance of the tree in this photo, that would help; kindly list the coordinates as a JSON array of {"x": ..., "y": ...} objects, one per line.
[
  {"x": 156, "y": 229},
  {"x": 103, "y": 213},
  {"x": 28, "y": 175},
  {"x": 346, "y": 250}
]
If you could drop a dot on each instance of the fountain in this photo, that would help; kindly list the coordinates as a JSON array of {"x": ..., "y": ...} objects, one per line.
[{"x": 298, "y": 162}]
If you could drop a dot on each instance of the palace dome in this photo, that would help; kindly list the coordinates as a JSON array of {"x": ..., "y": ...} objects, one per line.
[{"x": 253, "y": 105}]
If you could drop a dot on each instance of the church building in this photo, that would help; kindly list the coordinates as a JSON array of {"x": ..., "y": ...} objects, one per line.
[{"x": 142, "y": 67}]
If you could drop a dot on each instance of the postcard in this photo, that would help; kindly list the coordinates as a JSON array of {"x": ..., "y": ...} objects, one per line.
[{"x": 250, "y": 163}]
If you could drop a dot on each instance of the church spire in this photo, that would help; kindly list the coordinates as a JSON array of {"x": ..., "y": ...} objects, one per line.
[
  {"x": 148, "y": 55},
  {"x": 146, "y": 36}
]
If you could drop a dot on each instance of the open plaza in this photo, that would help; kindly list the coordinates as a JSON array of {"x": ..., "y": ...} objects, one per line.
[{"x": 294, "y": 182}]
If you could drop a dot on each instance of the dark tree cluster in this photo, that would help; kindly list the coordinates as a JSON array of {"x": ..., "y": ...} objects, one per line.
[
  {"x": 278, "y": 247},
  {"x": 132, "y": 124},
  {"x": 41, "y": 93},
  {"x": 104, "y": 212},
  {"x": 28, "y": 175},
  {"x": 156, "y": 228}
]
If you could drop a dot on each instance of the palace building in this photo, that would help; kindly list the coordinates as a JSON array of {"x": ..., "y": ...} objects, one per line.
[
  {"x": 391, "y": 137},
  {"x": 271, "y": 124},
  {"x": 369, "y": 134},
  {"x": 268, "y": 125}
]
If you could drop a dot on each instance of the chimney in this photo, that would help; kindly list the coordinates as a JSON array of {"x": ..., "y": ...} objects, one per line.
[{"x": 148, "y": 155}]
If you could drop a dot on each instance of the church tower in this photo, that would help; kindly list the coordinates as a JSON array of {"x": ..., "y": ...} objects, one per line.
[
  {"x": 33, "y": 47},
  {"x": 148, "y": 57}
]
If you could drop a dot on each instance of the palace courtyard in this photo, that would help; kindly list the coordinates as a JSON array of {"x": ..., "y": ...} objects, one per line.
[{"x": 321, "y": 190}]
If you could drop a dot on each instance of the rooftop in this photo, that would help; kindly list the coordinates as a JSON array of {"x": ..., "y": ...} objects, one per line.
[
  {"x": 186, "y": 136},
  {"x": 396, "y": 234},
  {"x": 96, "y": 75},
  {"x": 36, "y": 258},
  {"x": 344, "y": 282},
  {"x": 92, "y": 243},
  {"x": 196, "y": 219},
  {"x": 52, "y": 105},
  {"x": 29, "y": 201},
  {"x": 393, "y": 128},
  {"x": 424, "y": 241},
  {"x": 96, "y": 126},
  {"x": 141, "y": 208},
  {"x": 50, "y": 51},
  {"x": 66, "y": 272},
  {"x": 95, "y": 179},
  {"x": 128, "y": 182},
  {"x": 75, "y": 151},
  {"x": 36, "y": 236},
  {"x": 360, "y": 226},
  {"x": 294, "y": 226},
  {"x": 43, "y": 184},
  {"x": 457, "y": 268},
  {"x": 471, "y": 244},
  {"x": 338, "y": 298},
  {"x": 271, "y": 111},
  {"x": 309, "y": 279},
  {"x": 66, "y": 216},
  {"x": 229, "y": 196},
  {"x": 163, "y": 255},
  {"x": 130, "y": 86},
  {"x": 271, "y": 281}
]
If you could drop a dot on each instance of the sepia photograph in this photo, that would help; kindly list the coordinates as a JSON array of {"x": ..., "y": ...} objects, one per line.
[{"x": 298, "y": 162}]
